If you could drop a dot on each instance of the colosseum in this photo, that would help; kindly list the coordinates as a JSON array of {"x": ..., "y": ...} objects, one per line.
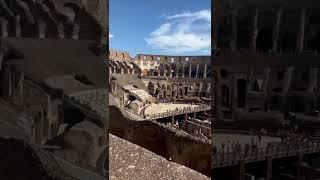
[
  {"x": 53, "y": 107},
  {"x": 267, "y": 80},
  {"x": 163, "y": 103}
]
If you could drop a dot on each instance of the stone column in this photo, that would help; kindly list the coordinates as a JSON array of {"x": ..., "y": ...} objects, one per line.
[
  {"x": 197, "y": 72},
  {"x": 300, "y": 38},
  {"x": 172, "y": 120},
  {"x": 276, "y": 31},
  {"x": 48, "y": 117},
  {"x": 10, "y": 83},
  {"x": 184, "y": 125},
  {"x": 234, "y": 97},
  {"x": 60, "y": 27},
  {"x": 177, "y": 71},
  {"x": 269, "y": 168},
  {"x": 242, "y": 170},
  {"x": 18, "y": 26},
  {"x": 217, "y": 96},
  {"x": 285, "y": 88},
  {"x": 234, "y": 29},
  {"x": 313, "y": 76},
  {"x": 249, "y": 81},
  {"x": 200, "y": 87},
  {"x": 266, "y": 88},
  {"x": 4, "y": 27},
  {"x": 300, "y": 166},
  {"x": 41, "y": 29},
  {"x": 21, "y": 87},
  {"x": 190, "y": 69},
  {"x": 205, "y": 71},
  {"x": 255, "y": 31},
  {"x": 75, "y": 31},
  {"x": 183, "y": 70}
]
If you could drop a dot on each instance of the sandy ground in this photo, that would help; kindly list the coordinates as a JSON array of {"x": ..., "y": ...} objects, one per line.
[
  {"x": 163, "y": 107},
  {"x": 218, "y": 139}
]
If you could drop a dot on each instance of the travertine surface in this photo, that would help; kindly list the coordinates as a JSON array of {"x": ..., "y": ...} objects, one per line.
[
  {"x": 163, "y": 107},
  {"x": 130, "y": 161}
]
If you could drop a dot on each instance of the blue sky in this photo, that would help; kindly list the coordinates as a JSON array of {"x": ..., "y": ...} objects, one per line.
[{"x": 172, "y": 27}]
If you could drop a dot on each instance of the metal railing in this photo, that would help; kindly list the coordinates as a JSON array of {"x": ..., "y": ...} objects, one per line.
[{"x": 230, "y": 158}]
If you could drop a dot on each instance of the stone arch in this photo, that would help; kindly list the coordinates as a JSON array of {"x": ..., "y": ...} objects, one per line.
[
  {"x": 201, "y": 70},
  {"x": 156, "y": 72},
  {"x": 151, "y": 88},
  {"x": 287, "y": 38},
  {"x": 193, "y": 71},
  {"x": 45, "y": 13},
  {"x": 265, "y": 34},
  {"x": 180, "y": 70},
  {"x": 123, "y": 67},
  {"x": 173, "y": 68},
  {"x": 128, "y": 66},
  {"x": 186, "y": 70},
  {"x": 167, "y": 69},
  {"x": 136, "y": 68}
]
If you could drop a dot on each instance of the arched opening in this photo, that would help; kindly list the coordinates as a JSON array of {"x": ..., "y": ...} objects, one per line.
[
  {"x": 288, "y": 35},
  {"x": 193, "y": 73},
  {"x": 264, "y": 39},
  {"x": 223, "y": 73},
  {"x": 72, "y": 116},
  {"x": 275, "y": 102},
  {"x": 242, "y": 89}
]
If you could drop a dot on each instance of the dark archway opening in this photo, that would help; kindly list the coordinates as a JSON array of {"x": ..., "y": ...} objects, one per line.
[
  {"x": 242, "y": 89},
  {"x": 264, "y": 39},
  {"x": 72, "y": 116}
]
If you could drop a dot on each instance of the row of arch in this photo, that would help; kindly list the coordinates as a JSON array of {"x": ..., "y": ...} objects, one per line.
[
  {"x": 48, "y": 19},
  {"x": 123, "y": 67},
  {"x": 282, "y": 30},
  {"x": 180, "y": 70},
  {"x": 180, "y": 90}
]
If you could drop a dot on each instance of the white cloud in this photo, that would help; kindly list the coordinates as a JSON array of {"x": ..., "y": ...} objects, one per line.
[
  {"x": 186, "y": 32},
  {"x": 111, "y": 35}
]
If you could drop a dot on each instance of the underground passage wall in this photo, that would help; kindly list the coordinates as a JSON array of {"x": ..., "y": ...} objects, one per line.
[{"x": 166, "y": 141}]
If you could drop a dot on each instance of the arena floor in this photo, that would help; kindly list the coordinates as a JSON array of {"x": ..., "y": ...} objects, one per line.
[{"x": 163, "y": 107}]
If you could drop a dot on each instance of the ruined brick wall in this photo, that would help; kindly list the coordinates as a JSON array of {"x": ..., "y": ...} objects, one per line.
[
  {"x": 40, "y": 106},
  {"x": 119, "y": 55},
  {"x": 165, "y": 141},
  {"x": 195, "y": 125}
]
